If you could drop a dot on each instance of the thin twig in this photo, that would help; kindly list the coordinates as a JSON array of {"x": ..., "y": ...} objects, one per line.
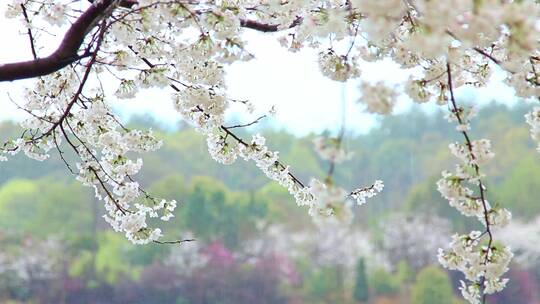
[
  {"x": 174, "y": 242},
  {"x": 30, "y": 36},
  {"x": 490, "y": 57},
  {"x": 75, "y": 97},
  {"x": 224, "y": 128},
  {"x": 247, "y": 124}
]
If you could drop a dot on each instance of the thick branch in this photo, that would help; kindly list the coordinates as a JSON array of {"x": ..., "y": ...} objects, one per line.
[
  {"x": 263, "y": 27},
  {"x": 66, "y": 53}
]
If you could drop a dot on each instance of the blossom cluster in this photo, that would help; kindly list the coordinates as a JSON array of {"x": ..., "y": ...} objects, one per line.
[
  {"x": 331, "y": 149},
  {"x": 522, "y": 238},
  {"x": 360, "y": 195},
  {"x": 378, "y": 98},
  {"x": 32, "y": 259},
  {"x": 533, "y": 119},
  {"x": 332, "y": 199},
  {"x": 338, "y": 68},
  {"x": 322, "y": 199},
  {"x": 476, "y": 254},
  {"x": 482, "y": 265},
  {"x": 413, "y": 237},
  {"x": 102, "y": 145}
]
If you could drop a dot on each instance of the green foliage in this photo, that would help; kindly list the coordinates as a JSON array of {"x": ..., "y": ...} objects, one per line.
[
  {"x": 457, "y": 300},
  {"x": 424, "y": 198},
  {"x": 361, "y": 292},
  {"x": 383, "y": 282},
  {"x": 520, "y": 191},
  {"x": 111, "y": 266},
  {"x": 322, "y": 284},
  {"x": 146, "y": 255},
  {"x": 432, "y": 286},
  {"x": 206, "y": 212},
  {"x": 172, "y": 186},
  {"x": 45, "y": 206},
  {"x": 305, "y": 161},
  {"x": 280, "y": 208},
  {"x": 405, "y": 273},
  {"x": 81, "y": 264},
  {"x": 213, "y": 212}
]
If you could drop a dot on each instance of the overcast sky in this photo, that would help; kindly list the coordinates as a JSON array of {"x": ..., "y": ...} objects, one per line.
[{"x": 305, "y": 100}]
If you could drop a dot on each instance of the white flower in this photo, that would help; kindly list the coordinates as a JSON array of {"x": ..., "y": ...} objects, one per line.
[
  {"x": 133, "y": 223},
  {"x": 222, "y": 151},
  {"x": 331, "y": 149},
  {"x": 327, "y": 198},
  {"x": 338, "y": 68},
  {"x": 479, "y": 152},
  {"x": 417, "y": 90},
  {"x": 379, "y": 98},
  {"x": 167, "y": 216},
  {"x": 360, "y": 195},
  {"x": 533, "y": 119},
  {"x": 470, "y": 293}
]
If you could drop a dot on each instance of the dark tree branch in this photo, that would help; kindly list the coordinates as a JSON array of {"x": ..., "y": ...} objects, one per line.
[
  {"x": 174, "y": 242},
  {"x": 123, "y": 3},
  {"x": 66, "y": 53},
  {"x": 263, "y": 27},
  {"x": 30, "y": 36},
  {"x": 76, "y": 95},
  {"x": 488, "y": 56}
]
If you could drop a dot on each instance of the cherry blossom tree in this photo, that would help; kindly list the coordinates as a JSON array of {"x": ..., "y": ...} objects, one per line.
[
  {"x": 184, "y": 45},
  {"x": 413, "y": 238}
]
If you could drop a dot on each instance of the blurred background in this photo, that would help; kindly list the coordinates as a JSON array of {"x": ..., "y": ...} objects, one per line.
[{"x": 252, "y": 243}]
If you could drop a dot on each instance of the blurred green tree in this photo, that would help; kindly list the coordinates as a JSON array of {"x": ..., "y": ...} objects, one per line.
[
  {"x": 520, "y": 191},
  {"x": 31, "y": 207},
  {"x": 383, "y": 283},
  {"x": 361, "y": 292},
  {"x": 432, "y": 286}
]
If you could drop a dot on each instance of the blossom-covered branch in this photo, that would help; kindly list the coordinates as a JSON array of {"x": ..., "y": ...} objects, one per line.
[{"x": 482, "y": 263}]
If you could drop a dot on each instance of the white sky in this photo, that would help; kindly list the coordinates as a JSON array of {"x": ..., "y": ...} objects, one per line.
[{"x": 305, "y": 100}]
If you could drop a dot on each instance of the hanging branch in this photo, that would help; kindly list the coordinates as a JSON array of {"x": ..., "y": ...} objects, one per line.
[{"x": 481, "y": 187}]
